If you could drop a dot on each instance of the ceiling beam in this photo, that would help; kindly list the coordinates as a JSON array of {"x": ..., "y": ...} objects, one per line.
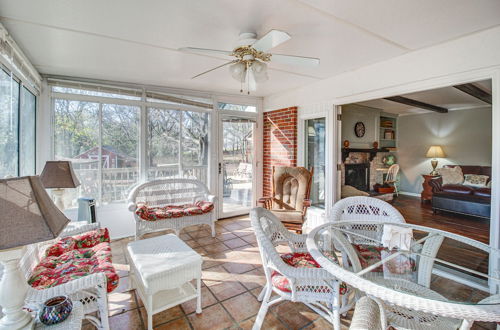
[
  {"x": 475, "y": 91},
  {"x": 416, "y": 104}
]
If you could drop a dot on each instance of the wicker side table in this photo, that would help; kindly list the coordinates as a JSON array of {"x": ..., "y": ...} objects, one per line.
[
  {"x": 162, "y": 268},
  {"x": 73, "y": 322}
]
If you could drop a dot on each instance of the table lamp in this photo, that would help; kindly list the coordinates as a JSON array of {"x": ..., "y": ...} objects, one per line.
[
  {"x": 27, "y": 216},
  {"x": 57, "y": 175},
  {"x": 435, "y": 152}
]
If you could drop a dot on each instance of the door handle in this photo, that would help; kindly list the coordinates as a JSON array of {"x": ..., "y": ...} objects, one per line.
[{"x": 220, "y": 168}]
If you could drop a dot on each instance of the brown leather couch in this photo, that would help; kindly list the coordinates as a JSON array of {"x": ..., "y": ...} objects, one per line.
[{"x": 459, "y": 198}]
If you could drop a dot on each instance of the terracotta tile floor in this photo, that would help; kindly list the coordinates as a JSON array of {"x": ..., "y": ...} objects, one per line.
[{"x": 232, "y": 279}]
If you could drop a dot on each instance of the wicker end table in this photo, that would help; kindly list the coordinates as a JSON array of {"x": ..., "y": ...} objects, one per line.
[
  {"x": 162, "y": 268},
  {"x": 73, "y": 322}
]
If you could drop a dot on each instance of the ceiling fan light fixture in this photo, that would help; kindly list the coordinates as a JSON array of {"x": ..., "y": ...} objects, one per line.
[
  {"x": 238, "y": 71},
  {"x": 259, "y": 70}
]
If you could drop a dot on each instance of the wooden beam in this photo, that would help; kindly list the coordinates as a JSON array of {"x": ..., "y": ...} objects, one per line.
[
  {"x": 416, "y": 104},
  {"x": 475, "y": 91}
]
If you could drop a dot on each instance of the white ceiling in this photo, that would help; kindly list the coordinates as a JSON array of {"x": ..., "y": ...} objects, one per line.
[
  {"x": 446, "y": 97},
  {"x": 137, "y": 41}
]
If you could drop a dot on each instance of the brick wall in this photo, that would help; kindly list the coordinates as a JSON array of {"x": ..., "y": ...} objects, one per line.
[{"x": 280, "y": 143}]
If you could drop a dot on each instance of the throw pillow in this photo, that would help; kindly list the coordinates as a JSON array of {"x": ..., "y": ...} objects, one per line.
[
  {"x": 475, "y": 180},
  {"x": 451, "y": 175}
]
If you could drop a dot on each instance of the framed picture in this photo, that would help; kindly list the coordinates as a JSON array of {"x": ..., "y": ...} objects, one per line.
[{"x": 359, "y": 129}]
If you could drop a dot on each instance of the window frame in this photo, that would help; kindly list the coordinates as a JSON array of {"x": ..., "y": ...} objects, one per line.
[{"x": 20, "y": 104}]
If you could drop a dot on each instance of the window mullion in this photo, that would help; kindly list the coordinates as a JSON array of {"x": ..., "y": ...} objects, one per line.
[{"x": 99, "y": 168}]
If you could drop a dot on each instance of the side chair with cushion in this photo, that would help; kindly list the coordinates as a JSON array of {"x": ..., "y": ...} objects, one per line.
[
  {"x": 290, "y": 195},
  {"x": 295, "y": 276}
]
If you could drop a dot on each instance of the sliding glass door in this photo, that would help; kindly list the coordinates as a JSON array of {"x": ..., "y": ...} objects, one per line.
[{"x": 315, "y": 158}]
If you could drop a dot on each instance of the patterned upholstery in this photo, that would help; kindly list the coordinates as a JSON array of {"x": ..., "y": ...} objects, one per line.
[
  {"x": 75, "y": 257},
  {"x": 297, "y": 260},
  {"x": 172, "y": 211}
]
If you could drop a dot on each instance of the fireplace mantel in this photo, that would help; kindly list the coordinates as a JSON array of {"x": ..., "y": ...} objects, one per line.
[{"x": 373, "y": 152}]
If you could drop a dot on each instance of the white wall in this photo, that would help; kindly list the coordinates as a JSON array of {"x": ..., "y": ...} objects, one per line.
[
  {"x": 370, "y": 117},
  {"x": 465, "y": 136},
  {"x": 477, "y": 51}
]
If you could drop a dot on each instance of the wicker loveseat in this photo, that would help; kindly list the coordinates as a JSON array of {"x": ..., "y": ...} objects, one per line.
[
  {"x": 49, "y": 268},
  {"x": 171, "y": 204}
]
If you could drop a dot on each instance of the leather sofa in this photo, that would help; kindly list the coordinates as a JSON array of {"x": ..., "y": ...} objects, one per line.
[{"x": 459, "y": 198}]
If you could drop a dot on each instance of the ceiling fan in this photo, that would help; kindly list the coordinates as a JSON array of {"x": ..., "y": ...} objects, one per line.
[{"x": 251, "y": 55}]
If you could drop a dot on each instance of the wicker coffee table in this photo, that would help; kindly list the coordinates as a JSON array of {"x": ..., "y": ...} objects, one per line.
[{"x": 162, "y": 269}]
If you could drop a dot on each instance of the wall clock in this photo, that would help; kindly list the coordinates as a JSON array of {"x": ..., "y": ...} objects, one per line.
[{"x": 359, "y": 129}]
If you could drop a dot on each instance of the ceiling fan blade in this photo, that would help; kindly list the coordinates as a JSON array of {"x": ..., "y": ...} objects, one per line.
[
  {"x": 272, "y": 39},
  {"x": 217, "y": 67},
  {"x": 205, "y": 51},
  {"x": 295, "y": 60}
]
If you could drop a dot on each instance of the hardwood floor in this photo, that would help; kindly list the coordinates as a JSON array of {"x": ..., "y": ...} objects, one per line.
[
  {"x": 421, "y": 214},
  {"x": 461, "y": 254}
]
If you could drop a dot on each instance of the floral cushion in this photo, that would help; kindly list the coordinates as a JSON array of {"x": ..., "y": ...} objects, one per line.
[
  {"x": 172, "y": 211},
  {"x": 298, "y": 260},
  {"x": 75, "y": 257},
  {"x": 85, "y": 240},
  {"x": 369, "y": 255}
]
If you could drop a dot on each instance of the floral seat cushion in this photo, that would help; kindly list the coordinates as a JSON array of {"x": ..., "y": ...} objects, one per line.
[
  {"x": 298, "y": 260},
  {"x": 75, "y": 257},
  {"x": 172, "y": 211},
  {"x": 369, "y": 255}
]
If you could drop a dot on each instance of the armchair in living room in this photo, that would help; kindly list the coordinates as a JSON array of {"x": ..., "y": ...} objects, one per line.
[{"x": 291, "y": 188}]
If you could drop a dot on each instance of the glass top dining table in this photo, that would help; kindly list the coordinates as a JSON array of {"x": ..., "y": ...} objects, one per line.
[{"x": 412, "y": 266}]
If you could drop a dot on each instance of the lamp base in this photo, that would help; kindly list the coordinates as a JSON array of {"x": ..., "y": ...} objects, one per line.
[
  {"x": 434, "y": 164},
  {"x": 58, "y": 196},
  {"x": 13, "y": 290}
]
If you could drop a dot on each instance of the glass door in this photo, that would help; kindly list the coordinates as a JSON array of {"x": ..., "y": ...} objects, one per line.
[
  {"x": 236, "y": 165},
  {"x": 315, "y": 158}
]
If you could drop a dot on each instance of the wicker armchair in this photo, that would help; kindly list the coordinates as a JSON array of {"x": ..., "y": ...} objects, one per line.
[
  {"x": 368, "y": 314},
  {"x": 290, "y": 196},
  {"x": 89, "y": 290},
  {"x": 314, "y": 287},
  {"x": 165, "y": 192}
]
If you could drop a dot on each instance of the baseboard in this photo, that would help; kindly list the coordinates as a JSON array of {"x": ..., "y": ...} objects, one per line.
[{"x": 409, "y": 193}]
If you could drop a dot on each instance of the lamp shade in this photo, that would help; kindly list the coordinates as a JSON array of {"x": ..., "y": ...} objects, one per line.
[
  {"x": 28, "y": 214},
  {"x": 59, "y": 174},
  {"x": 435, "y": 152}
]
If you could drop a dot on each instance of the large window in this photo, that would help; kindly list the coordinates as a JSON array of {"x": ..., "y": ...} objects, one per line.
[
  {"x": 177, "y": 144},
  {"x": 102, "y": 139},
  {"x": 17, "y": 128},
  {"x": 102, "y": 142}
]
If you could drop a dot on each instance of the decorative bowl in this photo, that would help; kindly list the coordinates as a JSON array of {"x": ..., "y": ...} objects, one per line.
[{"x": 55, "y": 310}]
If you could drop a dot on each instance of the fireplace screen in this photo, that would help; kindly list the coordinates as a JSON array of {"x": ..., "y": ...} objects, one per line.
[{"x": 358, "y": 176}]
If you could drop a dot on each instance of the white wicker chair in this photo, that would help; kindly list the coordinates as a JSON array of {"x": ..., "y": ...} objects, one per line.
[
  {"x": 392, "y": 177},
  {"x": 164, "y": 192},
  {"x": 307, "y": 284},
  {"x": 89, "y": 290},
  {"x": 374, "y": 210}
]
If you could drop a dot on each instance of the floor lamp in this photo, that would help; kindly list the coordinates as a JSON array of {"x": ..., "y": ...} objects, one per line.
[{"x": 28, "y": 216}]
